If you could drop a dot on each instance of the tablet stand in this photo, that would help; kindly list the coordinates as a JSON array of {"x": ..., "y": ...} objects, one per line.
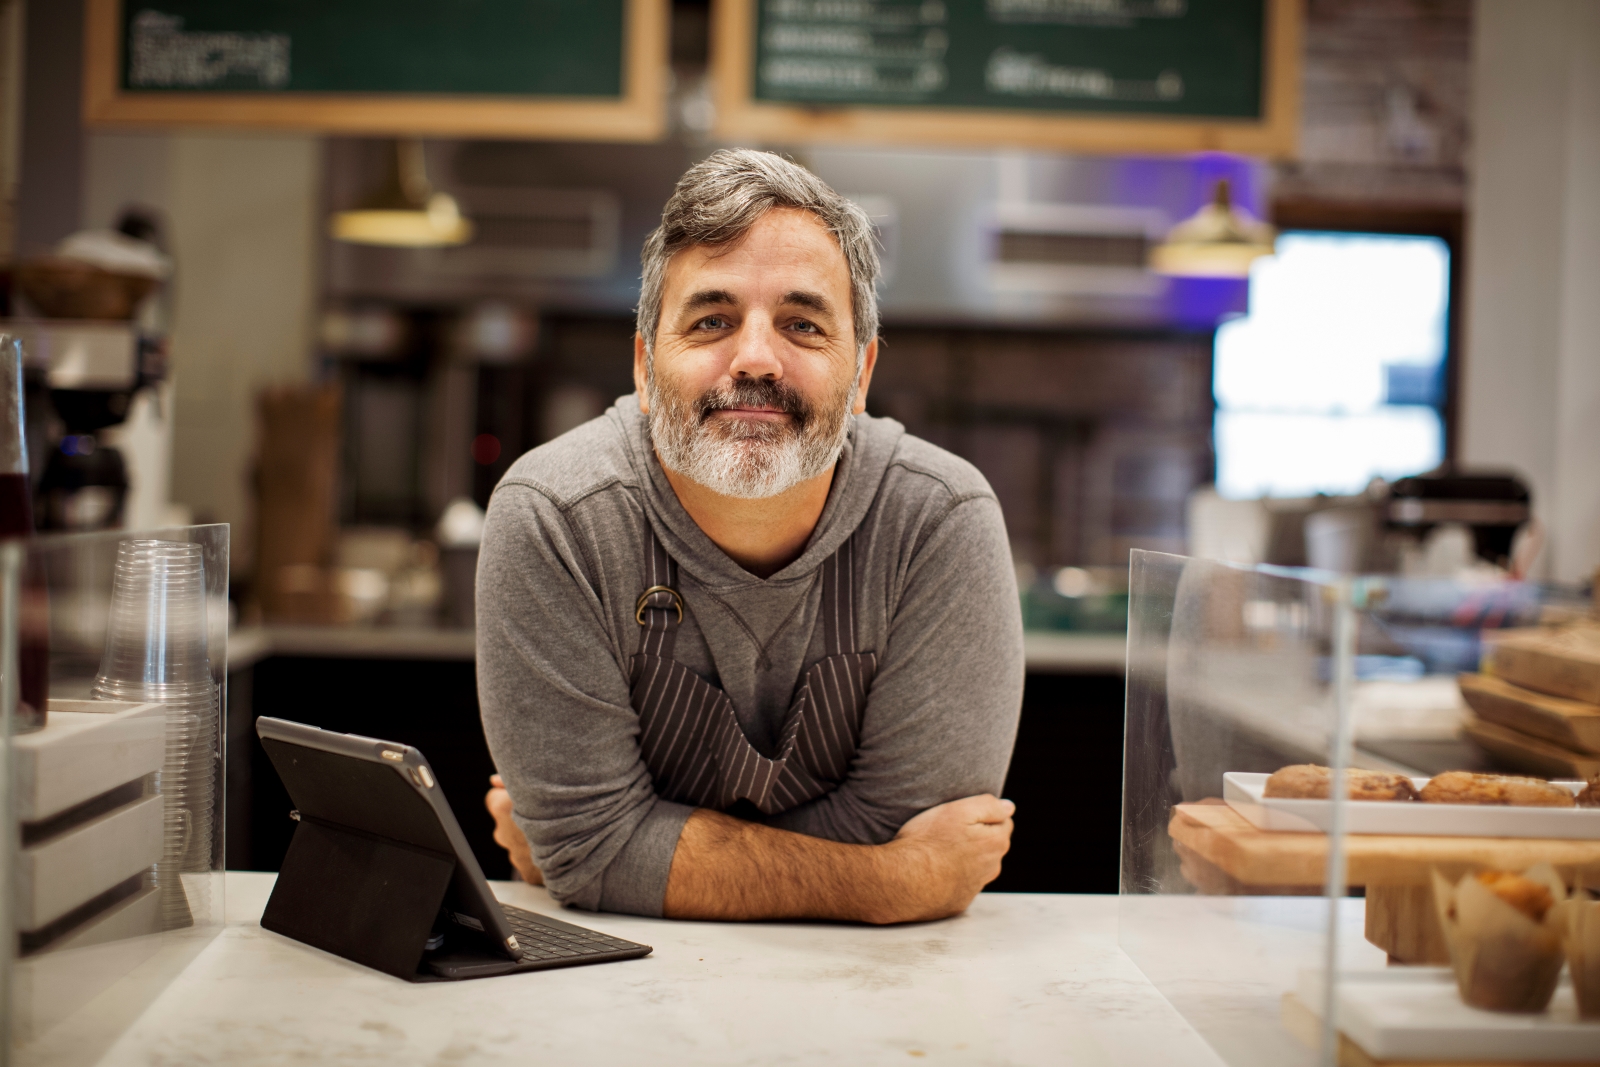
[{"x": 360, "y": 896}]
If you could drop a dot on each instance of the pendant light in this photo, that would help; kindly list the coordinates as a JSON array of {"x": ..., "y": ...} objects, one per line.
[
  {"x": 1218, "y": 241},
  {"x": 406, "y": 211}
]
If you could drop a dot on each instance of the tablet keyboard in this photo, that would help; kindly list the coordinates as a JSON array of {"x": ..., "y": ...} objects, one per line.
[
  {"x": 544, "y": 938},
  {"x": 543, "y": 942}
]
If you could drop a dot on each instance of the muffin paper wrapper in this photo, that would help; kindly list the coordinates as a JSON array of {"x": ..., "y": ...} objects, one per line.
[
  {"x": 1582, "y": 935},
  {"x": 1503, "y": 960}
]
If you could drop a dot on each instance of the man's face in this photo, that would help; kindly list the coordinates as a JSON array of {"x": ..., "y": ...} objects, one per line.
[{"x": 754, "y": 367}]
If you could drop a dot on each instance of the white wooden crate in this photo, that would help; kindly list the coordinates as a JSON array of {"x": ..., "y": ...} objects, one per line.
[
  {"x": 72, "y": 868},
  {"x": 87, "y": 747}
]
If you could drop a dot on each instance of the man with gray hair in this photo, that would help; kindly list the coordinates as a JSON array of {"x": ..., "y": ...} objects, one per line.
[{"x": 744, "y": 651}]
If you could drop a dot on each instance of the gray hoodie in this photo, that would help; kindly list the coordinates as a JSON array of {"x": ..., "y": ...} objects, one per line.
[{"x": 563, "y": 563}]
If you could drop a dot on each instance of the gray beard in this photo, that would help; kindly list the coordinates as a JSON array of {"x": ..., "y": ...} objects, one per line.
[{"x": 750, "y": 461}]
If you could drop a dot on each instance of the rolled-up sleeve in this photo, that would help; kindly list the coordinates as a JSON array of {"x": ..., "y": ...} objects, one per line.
[{"x": 554, "y": 696}]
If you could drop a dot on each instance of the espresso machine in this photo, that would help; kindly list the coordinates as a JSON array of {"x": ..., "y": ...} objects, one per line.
[{"x": 89, "y": 352}]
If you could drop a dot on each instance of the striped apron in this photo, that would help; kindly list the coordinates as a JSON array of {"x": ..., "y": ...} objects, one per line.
[{"x": 691, "y": 739}]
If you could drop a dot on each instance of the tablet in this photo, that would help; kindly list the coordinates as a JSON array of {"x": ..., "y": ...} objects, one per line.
[{"x": 380, "y": 872}]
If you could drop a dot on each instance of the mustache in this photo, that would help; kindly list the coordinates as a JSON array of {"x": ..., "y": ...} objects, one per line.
[{"x": 763, "y": 393}]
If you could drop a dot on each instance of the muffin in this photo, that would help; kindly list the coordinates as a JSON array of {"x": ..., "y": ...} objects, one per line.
[
  {"x": 1589, "y": 796},
  {"x": 1505, "y": 932},
  {"x": 1524, "y": 894}
]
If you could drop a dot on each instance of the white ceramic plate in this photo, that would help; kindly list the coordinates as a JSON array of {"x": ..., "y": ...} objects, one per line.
[
  {"x": 1415, "y": 1013},
  {"x": 1242, "y": 791}
]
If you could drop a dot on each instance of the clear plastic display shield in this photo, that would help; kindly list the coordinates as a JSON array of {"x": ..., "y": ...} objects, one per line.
[
  {"x": 1334, "y": 850},
  {"x": 114, "y": 796}
]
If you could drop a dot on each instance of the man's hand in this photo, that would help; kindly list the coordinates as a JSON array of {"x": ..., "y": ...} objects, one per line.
[
  {"x": 726, "y": 868},
  {"x": 947, "y": 855},
  {"x": 508, "y": 836}
]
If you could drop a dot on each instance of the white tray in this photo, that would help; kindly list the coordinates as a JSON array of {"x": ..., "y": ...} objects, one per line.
[
  {"x": 1415, "y": 1013},
  {"x": 1242, "y": 791}
]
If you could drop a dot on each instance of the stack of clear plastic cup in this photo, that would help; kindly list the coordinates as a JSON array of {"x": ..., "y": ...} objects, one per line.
[{"x": 156, "y": 653}]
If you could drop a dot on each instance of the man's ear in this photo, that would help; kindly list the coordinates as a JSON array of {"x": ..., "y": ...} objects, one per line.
[
  {"x": 640, "y": 373},
  {"x": 869, "y": 360}
]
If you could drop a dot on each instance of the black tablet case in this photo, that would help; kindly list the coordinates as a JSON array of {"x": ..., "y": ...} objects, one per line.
[{"x": 369, "y": 886}]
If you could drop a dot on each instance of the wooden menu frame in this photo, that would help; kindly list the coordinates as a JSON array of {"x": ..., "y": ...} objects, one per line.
[
  {"x": 639, "y": 116},
  {"x": 742, "y": 118}
]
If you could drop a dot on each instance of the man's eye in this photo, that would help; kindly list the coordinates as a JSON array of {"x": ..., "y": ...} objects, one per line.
[
  {"x": 712, "y": 322},
  {"x": 802, "y": 326}
]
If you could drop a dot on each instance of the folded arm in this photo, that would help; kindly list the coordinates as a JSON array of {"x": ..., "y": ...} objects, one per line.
[
  {"x": 726, "y": 868},
  {"x": 554, "y": 696}
]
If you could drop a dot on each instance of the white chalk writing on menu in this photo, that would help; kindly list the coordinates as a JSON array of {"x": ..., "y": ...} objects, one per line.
[
  {"x": 161, "y": 54},
  {"x": 897, "y": 50}
]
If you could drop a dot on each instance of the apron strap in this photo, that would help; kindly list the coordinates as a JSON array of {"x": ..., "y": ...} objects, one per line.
[
  {"x": 839, "y": 599},
  {"x": 659, "y": 609}
]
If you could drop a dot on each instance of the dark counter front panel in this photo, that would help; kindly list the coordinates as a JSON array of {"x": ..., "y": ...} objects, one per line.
[{"x": 1066, "y": 780}]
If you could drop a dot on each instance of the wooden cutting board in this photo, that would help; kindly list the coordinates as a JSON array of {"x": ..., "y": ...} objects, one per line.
[
  {"x": 1223, "y": 854},
  {"x": 1572, "y": 724},
  {"x": 1278, "y": 858},
  {"x": 1562, "y": 661},
  {"x": 1532, "y": 755}
]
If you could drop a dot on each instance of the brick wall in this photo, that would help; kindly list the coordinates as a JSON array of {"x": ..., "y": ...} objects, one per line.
[{"x": 1387, "y": 100}]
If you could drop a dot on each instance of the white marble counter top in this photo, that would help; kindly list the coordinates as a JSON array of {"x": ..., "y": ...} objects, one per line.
[{"x": 1018, "y": 979}]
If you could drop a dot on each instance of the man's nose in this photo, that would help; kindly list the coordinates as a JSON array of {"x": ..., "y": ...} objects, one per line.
[{"x": 755, "y": 353}]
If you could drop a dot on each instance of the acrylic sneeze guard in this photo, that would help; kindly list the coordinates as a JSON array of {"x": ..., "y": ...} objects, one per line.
[
  {"x": 1229, "y": 669},
  {"x": 113, "y": 811},
  {"x": 1252, "y": 932}
]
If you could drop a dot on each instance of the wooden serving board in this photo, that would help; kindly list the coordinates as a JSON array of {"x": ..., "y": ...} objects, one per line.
[
  {"x": 1223, "y": 854},
  {"x": 1571, "y": 724},
  {"x": 1278, "y": 858},
  {"x": 1532, "y": 755},
  {"x": 1562, "y": 661}
]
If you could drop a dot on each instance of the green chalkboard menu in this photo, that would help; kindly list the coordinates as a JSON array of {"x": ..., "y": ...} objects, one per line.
[
  {"x": 509, "y": 47},
  {"x": 1189, "y": 71},
  {"x": 574, "y": 68},
  {"x": 1151, "y": 57}
]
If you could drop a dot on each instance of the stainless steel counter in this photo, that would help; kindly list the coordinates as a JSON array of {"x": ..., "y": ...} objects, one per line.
[
  {"x": 1047, "y": 652},
  {"x": 251, "y": 644}
]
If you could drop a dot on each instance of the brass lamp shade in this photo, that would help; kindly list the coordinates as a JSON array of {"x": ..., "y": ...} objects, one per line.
[
  {"x": 1218, "y": 241},
  {"x": 405, "y": 212}
]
